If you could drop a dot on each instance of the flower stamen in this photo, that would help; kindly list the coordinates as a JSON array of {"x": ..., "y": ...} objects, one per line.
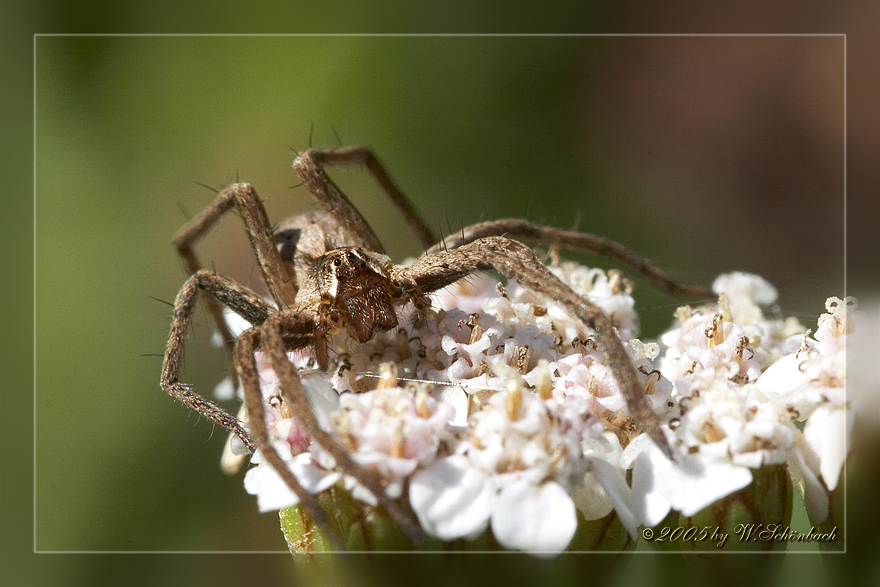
[
  {"x": 715, "y": 333},
  {"x": 514, "y": 399}
]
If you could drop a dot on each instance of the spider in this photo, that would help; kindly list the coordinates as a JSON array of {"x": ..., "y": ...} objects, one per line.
[{"x": 327, "y": 274}]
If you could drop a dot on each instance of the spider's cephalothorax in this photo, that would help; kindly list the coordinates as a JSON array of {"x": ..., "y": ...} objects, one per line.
[
  {"x": 327, "y": 273},
  {"x": 357, "y": 295}
]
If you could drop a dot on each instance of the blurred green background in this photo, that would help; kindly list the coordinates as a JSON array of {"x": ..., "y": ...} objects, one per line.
[{"x": 706, "y": 154}]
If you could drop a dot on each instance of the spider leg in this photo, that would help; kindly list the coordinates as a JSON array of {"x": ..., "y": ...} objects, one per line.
[
  {"x": 516, "y": 261},
  {"x": 238, "y": 298},
  {"x": 246, "y": 365},
  {"x": 309, "y": 165},
  {"x": 293, "y": 393},
  {"x": 277, "y": 275},
  {"x": 520, "y": 229}
]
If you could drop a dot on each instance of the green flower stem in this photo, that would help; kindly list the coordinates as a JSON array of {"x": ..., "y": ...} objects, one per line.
[{"x": 604, "y": 534}]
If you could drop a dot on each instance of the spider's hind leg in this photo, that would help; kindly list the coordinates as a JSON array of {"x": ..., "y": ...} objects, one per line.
[{"x": 517, "y": 228}]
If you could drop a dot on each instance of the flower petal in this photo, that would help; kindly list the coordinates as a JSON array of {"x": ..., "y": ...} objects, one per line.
[
  {"x": 592, "y": 499},
  {"x": 272, "y": 493},
  {"x": 323, "y": 398},
  {"x": 827, "y": 432},
  {"x": 815, "y": 498},
  {"x": 456, "y": 397},
  {"x": 783, "y": 376},
  {"x": 613, "y": 482},
  {"x": 536, "y": 518},
  {"x": 452, "y": 499},
  {"x": 314, "y": 479},
  {"x": 689, "y": 485},
  {"x": 649, "y": 505}
]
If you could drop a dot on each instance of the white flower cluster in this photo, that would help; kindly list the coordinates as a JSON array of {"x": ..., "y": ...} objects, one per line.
[
  {"x": 500, "y": 413},
  {"x": 812, "y": 381}
]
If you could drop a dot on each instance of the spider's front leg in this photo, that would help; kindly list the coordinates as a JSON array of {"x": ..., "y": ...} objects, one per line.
[
  {"x": 273, "y": 344},
  {"x": 246, "y": 368},
  {"x": 517, "y": 262},
  {"x": 243, "y": 302}
]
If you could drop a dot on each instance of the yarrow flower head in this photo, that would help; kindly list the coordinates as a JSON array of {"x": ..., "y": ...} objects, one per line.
[
  {"x": 498, "y": 415},
  {"x": 524, "y": 455}
]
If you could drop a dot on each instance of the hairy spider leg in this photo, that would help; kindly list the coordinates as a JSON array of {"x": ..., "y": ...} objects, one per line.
[
  {"x": 518, "y": 262},
  {"x": 246, "y": 365},
  {"x": 277, "y": 275},
  {"x": 517, "y": 228},
  {"x": 242, "y": 301},
  {"x": 273, "y": 344},
  {"x": 309, "y": 165}
]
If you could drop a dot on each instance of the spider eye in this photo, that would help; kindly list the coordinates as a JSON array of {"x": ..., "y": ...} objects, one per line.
[
  {"x": 351, "y": 258},
  {"x": 337, "y": 262}
]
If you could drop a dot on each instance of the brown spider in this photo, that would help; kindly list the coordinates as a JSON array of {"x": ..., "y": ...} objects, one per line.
[{"x": 327, "y": 273}]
